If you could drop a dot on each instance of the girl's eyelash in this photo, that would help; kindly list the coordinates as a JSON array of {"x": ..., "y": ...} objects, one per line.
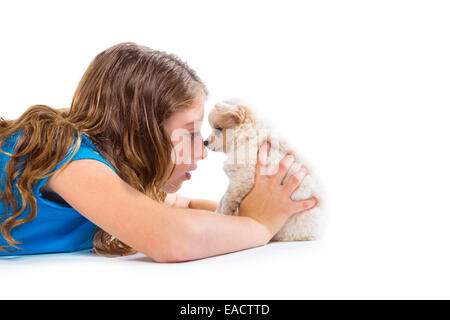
[
  {"x": 193, "y": 134},
  {"x": 218, "y": 129}
]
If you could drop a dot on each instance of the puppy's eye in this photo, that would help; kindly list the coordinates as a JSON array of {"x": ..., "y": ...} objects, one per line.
[{"x": 219, "y": 129}]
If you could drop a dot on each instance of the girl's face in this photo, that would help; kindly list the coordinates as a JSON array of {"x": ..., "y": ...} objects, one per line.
[{"x": 184, "y": 129}]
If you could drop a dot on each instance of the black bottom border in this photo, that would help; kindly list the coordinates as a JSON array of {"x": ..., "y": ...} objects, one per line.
[{"x": 233, "y": 309}]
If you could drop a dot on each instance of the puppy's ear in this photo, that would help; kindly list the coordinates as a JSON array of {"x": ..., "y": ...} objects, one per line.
[
  {"x": 235, "y": 114},
  {"x": 242, "y": 114},
  {"x": 248, "y": 116},
  {"x": 222, "y": 106}
]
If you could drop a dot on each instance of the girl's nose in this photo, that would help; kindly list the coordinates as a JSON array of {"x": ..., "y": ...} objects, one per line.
[{"x": 204, "y": 150}]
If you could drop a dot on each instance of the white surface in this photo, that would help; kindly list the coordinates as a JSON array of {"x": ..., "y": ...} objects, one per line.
[{"x": 362, "y": 87}]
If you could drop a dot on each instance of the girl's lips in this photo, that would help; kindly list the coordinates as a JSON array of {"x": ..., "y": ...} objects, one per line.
[{"x": 187, "y": 174}]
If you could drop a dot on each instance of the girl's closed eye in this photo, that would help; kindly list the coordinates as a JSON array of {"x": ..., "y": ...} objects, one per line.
[{"x": 195, "y": 134}]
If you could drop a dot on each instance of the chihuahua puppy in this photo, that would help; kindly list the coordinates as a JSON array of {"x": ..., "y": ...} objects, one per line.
[{"x": 239, "y": 133}]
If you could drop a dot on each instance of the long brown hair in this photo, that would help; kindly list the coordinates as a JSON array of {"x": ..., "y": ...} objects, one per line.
[{"x": 121, "y": 103}]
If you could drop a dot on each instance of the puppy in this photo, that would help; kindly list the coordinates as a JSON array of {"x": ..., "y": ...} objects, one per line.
[{"x": 239, "y": 133}]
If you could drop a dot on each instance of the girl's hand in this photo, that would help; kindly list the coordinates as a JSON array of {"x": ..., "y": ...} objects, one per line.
[
  {"x": 269, "y": 202},
  {"x": 174, "y": 200}
]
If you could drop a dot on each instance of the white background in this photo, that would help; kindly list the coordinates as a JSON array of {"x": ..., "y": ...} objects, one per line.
[{"x": 361, "y": 87}]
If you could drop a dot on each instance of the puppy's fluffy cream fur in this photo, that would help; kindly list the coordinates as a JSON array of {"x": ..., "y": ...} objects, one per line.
[{"x": 239, "y": 133}]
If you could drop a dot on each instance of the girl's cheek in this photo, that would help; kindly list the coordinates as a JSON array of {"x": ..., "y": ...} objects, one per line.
[
  {"x": 181, "y": 153},
  {"x": 200, "y": 149}
]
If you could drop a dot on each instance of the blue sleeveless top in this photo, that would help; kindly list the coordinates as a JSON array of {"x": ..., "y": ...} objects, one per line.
[{"x": 57, "y": 227}]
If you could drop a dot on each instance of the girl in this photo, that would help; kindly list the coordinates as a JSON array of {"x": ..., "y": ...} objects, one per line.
[{"x": 120, "y": 196}]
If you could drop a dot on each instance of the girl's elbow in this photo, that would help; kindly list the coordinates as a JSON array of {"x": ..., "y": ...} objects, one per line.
[
  {"x": 179, "y": 249},
  {"x": 170, "y": 255}
]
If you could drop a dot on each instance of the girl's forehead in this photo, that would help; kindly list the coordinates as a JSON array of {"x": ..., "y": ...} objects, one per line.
[
  {"x": 193, "y": 114},
  {"x": 187, "y": 117}
]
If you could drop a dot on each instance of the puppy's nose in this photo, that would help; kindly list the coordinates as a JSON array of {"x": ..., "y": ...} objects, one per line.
[{"x": 205, "y": 143}]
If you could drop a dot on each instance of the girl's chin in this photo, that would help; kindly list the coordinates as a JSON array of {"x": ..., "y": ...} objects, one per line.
[{"x": 173, "y": 187}]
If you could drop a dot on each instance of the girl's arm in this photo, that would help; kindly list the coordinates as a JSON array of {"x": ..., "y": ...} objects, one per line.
[
  {"x": 203, "y": 204},
  {"x": 163, "y": 233},
  {"x": 175, "y": 200}
]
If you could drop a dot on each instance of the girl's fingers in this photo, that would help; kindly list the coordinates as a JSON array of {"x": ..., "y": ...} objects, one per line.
[
  {"x": 263, "y": 156},
  {"x": 283, "y": 167},
  {"x": 303, "y": 205},
  {"x": 295, "y": 180}
]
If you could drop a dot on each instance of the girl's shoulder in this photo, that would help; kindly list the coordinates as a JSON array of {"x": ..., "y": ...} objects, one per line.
[{"x": 88, "y": 150}]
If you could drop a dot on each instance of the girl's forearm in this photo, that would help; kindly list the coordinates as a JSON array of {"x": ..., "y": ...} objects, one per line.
[
  {"x": 203, "y": 204},
  {"x": 216, "y": 234}
]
